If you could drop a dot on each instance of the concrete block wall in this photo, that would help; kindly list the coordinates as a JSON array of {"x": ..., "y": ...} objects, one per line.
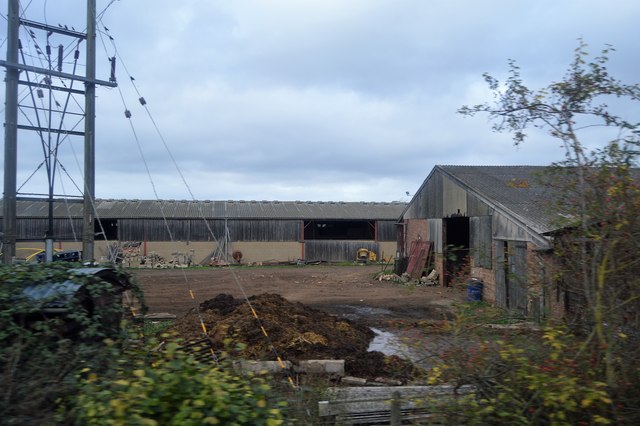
[
  {"x": 199, "y": 251},
  {"x": 387, "y": 250},
  {"x": 268, "y": 251},
  {"x": 252, "y": 252}
]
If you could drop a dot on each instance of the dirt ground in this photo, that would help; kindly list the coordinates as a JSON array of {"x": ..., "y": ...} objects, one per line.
[
  {"x": 349, "y": 291},
  {"x": 310, "y": 312}
]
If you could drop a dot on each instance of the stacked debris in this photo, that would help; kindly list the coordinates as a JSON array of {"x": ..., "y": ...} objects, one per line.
[{"x": 296, "y": 332}]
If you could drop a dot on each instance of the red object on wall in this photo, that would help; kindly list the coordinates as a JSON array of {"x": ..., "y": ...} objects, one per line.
[{"x": 419, "y": 253}]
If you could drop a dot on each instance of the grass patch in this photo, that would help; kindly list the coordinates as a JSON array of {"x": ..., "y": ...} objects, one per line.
[
  {"x": 153, "y": 328},
  {"x": 484, "y": 313}
]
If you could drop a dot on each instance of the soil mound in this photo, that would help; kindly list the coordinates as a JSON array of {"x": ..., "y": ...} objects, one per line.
[{"x": 296, "y": 331}]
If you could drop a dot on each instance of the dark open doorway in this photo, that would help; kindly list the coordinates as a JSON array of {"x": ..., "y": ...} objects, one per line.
[
  {"x": 455, "y": 247},
  {"x": 339, "y": 230},
  {"x": 106, "y": 229}
]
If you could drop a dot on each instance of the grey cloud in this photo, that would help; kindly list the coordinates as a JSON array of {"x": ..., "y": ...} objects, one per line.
[{"x": 323, "y": 100}]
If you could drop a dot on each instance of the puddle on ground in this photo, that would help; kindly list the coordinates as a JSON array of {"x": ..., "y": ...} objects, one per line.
[
  {"x": 387, "y": 342},
  {"x": 391, "y": 343},
  {"x": 355, "y": 312},
  {"x": 412, "y": 345},
  {"x": 409, "y": 343}
]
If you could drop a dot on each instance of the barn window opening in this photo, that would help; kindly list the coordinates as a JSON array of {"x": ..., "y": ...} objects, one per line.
[{"x": 339, "y": 230}]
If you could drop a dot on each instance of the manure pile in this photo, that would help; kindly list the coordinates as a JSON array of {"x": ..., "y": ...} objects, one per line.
[{"x": 298, "y": 332}]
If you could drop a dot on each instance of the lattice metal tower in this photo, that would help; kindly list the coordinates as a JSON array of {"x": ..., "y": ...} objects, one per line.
[{"x": 43, "y": 115}]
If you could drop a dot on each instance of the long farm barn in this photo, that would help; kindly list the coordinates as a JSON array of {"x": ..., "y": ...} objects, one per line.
[{"x": 199, "y": 231}]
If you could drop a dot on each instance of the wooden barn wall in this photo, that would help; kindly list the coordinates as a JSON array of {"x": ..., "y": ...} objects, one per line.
[
  {"x": 454, "y": 199},
  {"x": 34, "y": 229},
  {"x": 506, "y": 229},
  {"x": 427, "y": 202},
  {"x": 415, "y": 208},
  {"x": 196, "y": 230},
  {"x": 265, "y": 230},
  {"x": 480, "y": 241},
  {"x": 336, "y": 251},
  {"x": 442, "y": 197},
  {"x": 433, "y": 202},
  {"x": 477, "y": 207},
  {"x": 501, "y": 275},
  {"x": 29, "y": 229},
  {"x": 387, "y": 230}
]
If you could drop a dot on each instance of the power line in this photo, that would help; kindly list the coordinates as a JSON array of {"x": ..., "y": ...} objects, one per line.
[{"x": 128, "y": 115}]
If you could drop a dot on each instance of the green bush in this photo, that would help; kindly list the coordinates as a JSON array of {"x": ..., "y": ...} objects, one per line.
[
  {"x": 67, "y": 359},
  {"x": 45, "y": 340},
  {"x": 173, "y": 389},
  {"x": 547, "y": 381}
]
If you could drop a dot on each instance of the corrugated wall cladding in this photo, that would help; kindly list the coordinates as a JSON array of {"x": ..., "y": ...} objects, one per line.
[
  {"x": 336, "y": 251},
  {"x": 196, "y": 230},
  {"x": 387, "y": 230}
]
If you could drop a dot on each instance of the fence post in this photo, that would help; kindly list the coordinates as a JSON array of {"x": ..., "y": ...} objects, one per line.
[{"x": 395, "y": 409}]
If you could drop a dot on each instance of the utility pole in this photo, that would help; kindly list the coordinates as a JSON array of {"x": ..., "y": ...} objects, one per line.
[
  {"x": 37, "y": 80},
  {"x": 11, "y": 136},
  {"x": 89, "y": 136}
]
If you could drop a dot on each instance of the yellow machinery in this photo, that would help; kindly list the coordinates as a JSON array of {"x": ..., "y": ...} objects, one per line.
[{"x": 365, "y": 256}]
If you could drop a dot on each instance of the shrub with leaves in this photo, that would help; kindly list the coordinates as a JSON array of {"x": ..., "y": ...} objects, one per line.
[
  {"x": 52, "y": 322},
  {"x": 596, "y": 200},
  {"x": 521, "y": 382},
  {"x": 173, "y": 389}
]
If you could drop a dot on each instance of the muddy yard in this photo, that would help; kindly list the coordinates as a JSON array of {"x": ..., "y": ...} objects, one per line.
[
  {"x": 350, "y": 291},
  {"x": 310, "y": 312}
]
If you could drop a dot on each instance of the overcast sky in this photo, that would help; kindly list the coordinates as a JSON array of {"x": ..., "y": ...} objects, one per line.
[{"x": 341, "y": 100}]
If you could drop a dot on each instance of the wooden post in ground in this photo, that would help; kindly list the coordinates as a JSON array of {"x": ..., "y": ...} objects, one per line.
[{"x": 395, "y": 409}]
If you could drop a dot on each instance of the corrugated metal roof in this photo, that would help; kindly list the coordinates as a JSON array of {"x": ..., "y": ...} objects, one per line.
[
  {"x": 177, "y": 209},
  {"x": 518, "y": 190},
  {"x": 56, "y": 296},
  {"x": 52, "y": 295}
]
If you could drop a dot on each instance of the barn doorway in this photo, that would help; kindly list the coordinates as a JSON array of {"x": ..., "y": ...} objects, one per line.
[
  {"x": 511, "y": 275},
  {"x": 106, "y": 229},
  {"x": 455, "y": 246}
]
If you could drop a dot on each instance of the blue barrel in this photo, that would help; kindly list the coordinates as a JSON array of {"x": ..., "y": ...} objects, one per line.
[{"x": 474, "y": 290}]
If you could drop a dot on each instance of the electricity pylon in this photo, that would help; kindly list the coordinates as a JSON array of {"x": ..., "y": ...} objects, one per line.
[{"x": 40, "y": 86}]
